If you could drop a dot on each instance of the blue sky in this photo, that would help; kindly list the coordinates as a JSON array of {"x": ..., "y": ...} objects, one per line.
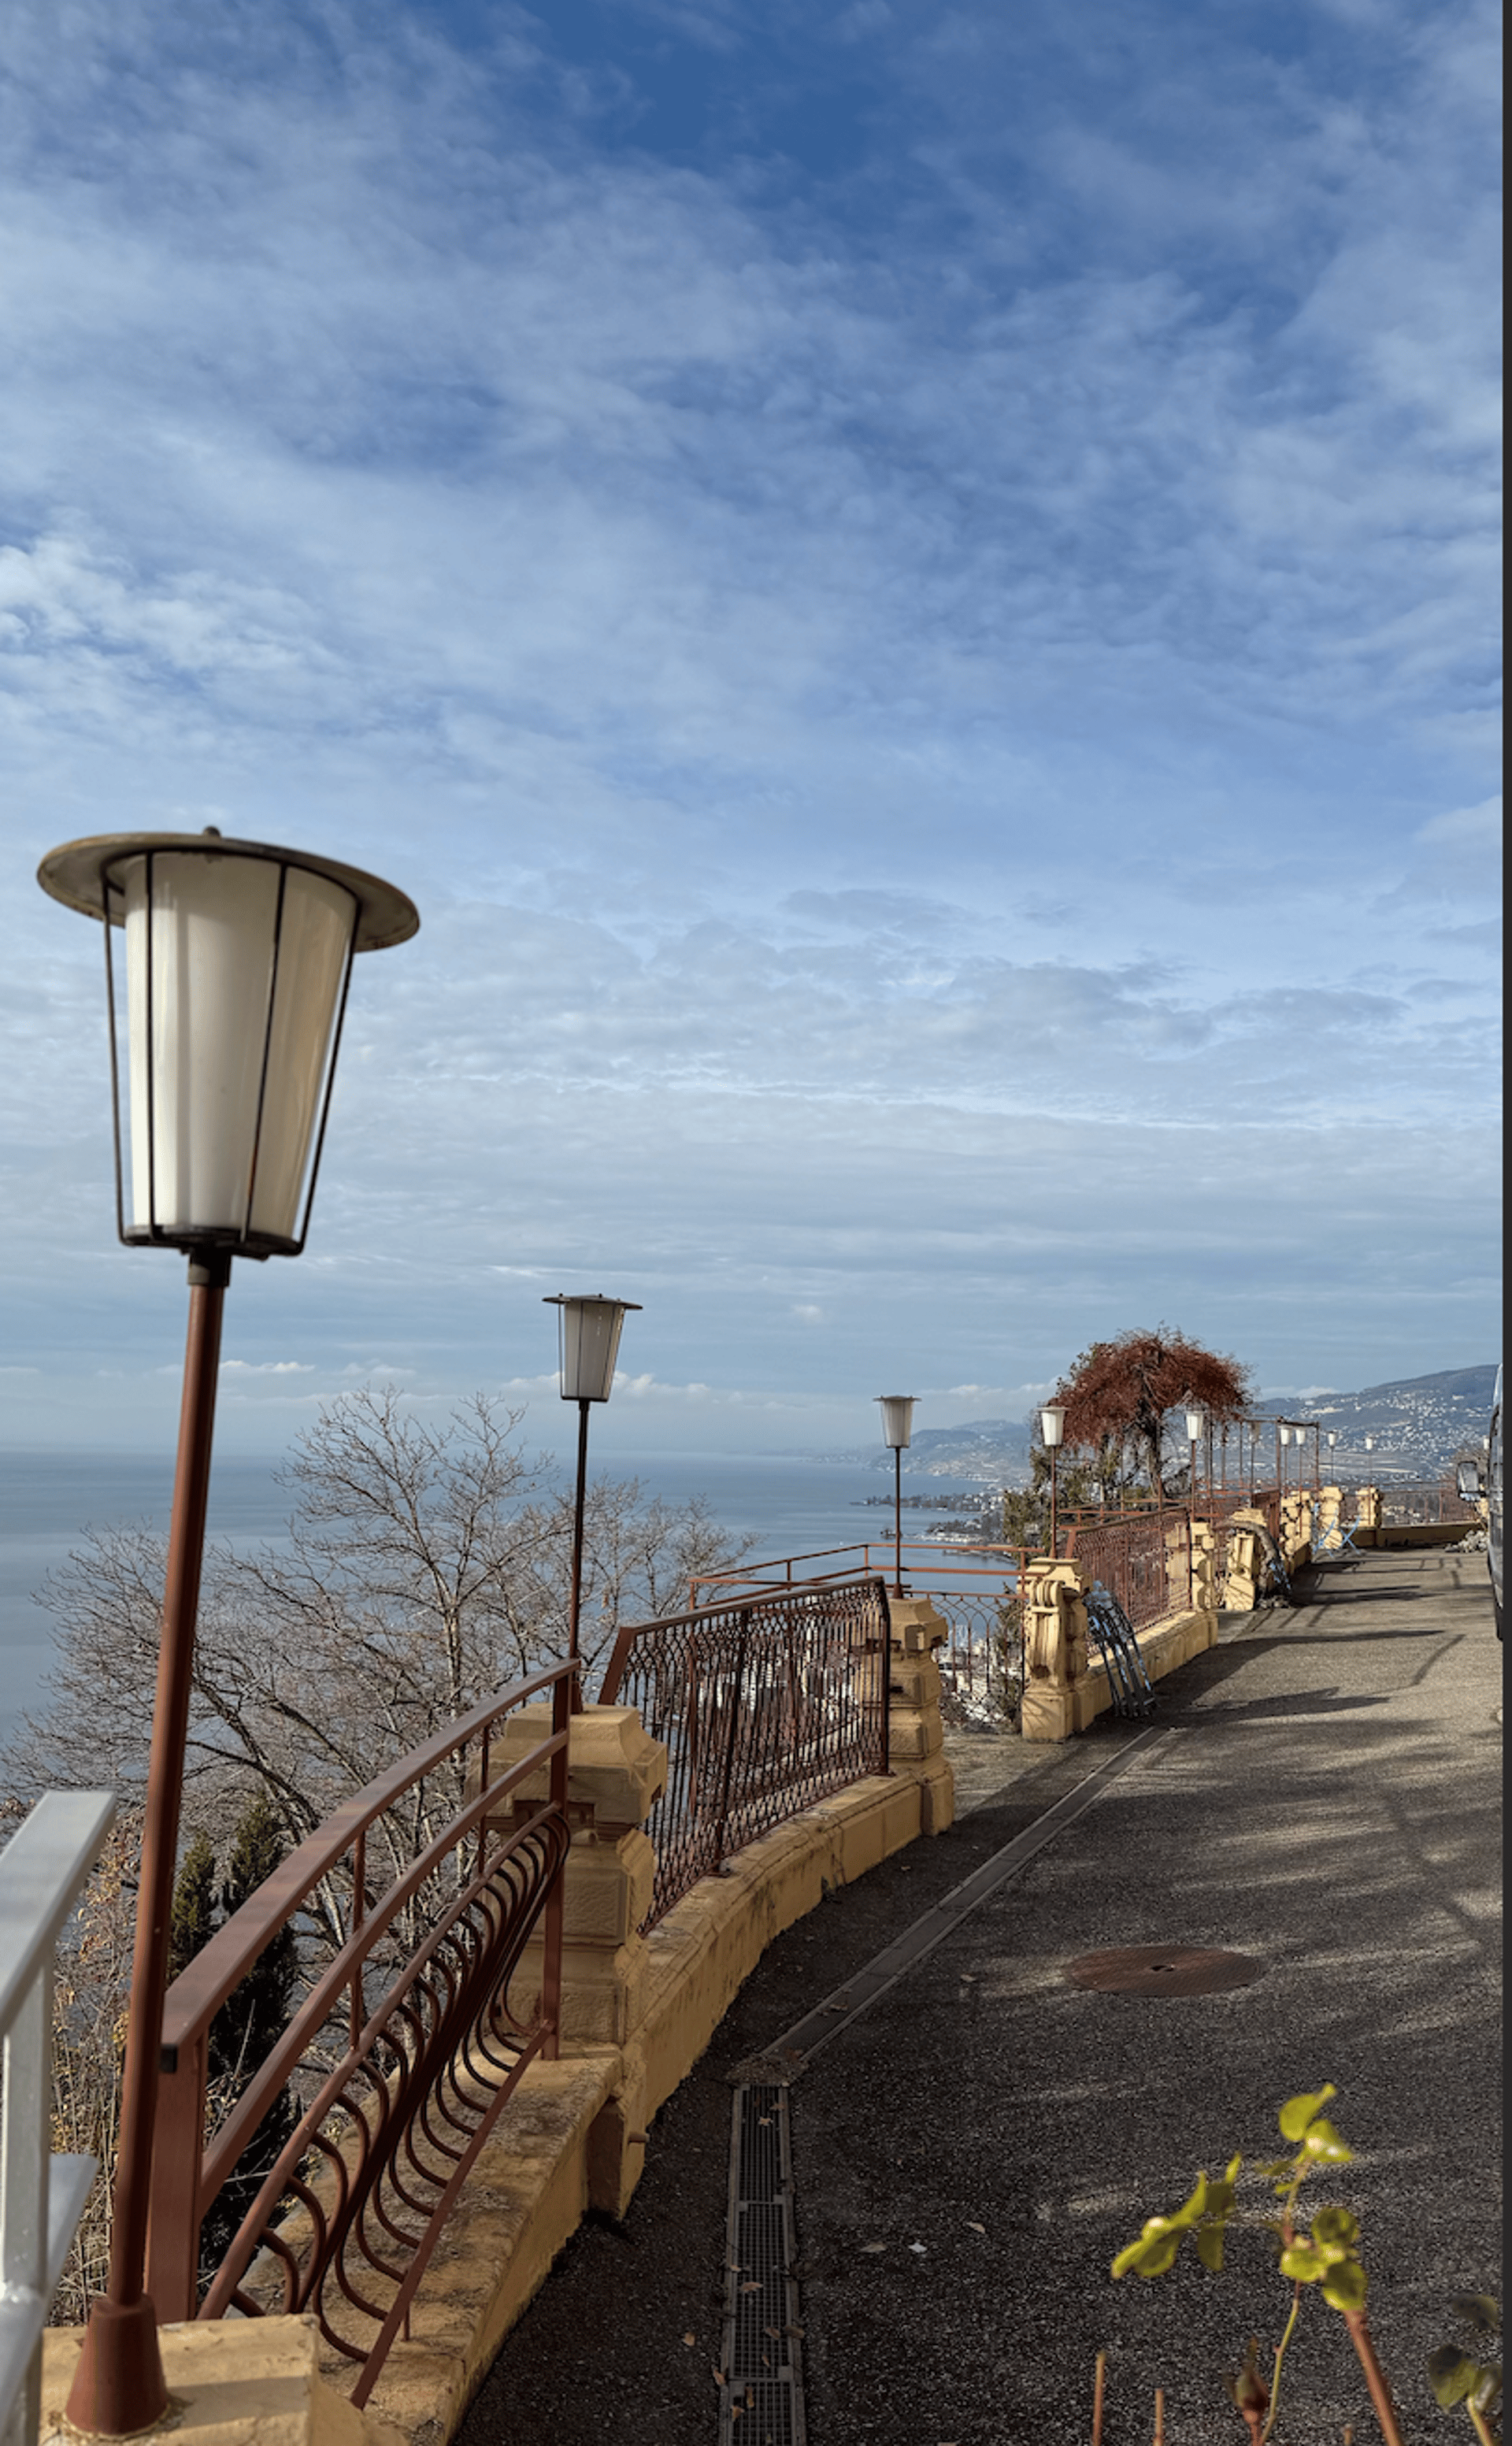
[{"x": 908, "y": 588}]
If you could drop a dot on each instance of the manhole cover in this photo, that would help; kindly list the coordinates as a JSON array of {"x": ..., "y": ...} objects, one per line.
[{"x": 1162, "y": 1970}]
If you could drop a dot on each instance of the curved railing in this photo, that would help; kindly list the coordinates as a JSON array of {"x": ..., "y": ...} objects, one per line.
[{"x": 401, "y": 2054}]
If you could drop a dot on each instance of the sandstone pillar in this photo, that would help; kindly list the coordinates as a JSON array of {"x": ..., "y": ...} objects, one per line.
[
  {"x": 1055, "y": 1655},
  {"x": 916, "y": 1737}
]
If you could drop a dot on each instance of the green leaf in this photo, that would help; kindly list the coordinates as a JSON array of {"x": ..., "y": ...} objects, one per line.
[
  {"x": 1155, "y": 2251},
  {"x": 1322, "y": 2144},
  {"x": 1302, "y": 2263},
  {"x": 1346, "y": 2286},
  {"x": 1452, "y": 2375},
  {"x": 1482, "y": 2311},
  {"x": 1191, "y": 2209},
  {"x": 1210, "y": 2247},
  {"x": 1335, "y": 2229},
  {"x": 1299, "y": 2112}
]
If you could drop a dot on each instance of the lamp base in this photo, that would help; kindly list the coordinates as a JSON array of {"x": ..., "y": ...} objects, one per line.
[{"x": 119, "y": 2389}]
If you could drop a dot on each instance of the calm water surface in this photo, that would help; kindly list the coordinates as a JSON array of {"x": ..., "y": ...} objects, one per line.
[{"x": 49, "y": 1501}]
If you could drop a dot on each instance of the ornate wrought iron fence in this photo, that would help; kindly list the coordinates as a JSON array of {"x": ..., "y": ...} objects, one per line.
[
  {"x": 1220, "y": 1506},
  {"x": 402, "y": 2052},
  {"x": 977, "y": 1587},
  {"x": 1412, "y": 1507},
  {"x": 765, "y": 1704},
  {"x": 1144, "y": 1558},
  {"x": 982, "y": 1662}
]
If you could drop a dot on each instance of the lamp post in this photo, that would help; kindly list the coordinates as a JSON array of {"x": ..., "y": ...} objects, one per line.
[
  {"x": 1196, "y": 1422},
  {"x": 239, "y": 959},
  {"x": 898, "y": 1434},
  {"x": 1053, "y": 1428},
  {"x": 588, "y": 1345}
]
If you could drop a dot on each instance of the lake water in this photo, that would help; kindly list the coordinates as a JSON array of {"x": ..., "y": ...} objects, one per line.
[{"x": 48, "y": 1502}]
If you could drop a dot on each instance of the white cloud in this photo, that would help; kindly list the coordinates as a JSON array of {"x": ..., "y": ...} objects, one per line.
[
  {"x": 1473, "y": 832},
  {"x": 266, "y": 1367},
  {"x": 921, "y": 733}
]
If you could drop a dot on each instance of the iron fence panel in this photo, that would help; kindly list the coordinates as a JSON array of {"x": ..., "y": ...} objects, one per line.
[
  {"x": 1413, "y": 1507},
  {"x": 1144, "y": 1559},
  {"x": 764, "y": 1704}
]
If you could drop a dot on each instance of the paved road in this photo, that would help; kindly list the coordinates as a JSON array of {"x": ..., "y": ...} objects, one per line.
[{"x": 1324, "y": 1796}]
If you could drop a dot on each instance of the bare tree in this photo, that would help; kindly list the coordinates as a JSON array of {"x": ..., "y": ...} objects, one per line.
[{"x": 427, "y": 1565}]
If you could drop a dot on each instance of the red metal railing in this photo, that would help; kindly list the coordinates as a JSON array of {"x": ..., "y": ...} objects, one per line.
[
  {"x": 978, "y": 1588},
  {"x": 763, "y": 1704},
  {"x": 1144, "y": 1559},
  {"x": 1406, "y": 1507},
  {"x": 401, "y": 2054}
]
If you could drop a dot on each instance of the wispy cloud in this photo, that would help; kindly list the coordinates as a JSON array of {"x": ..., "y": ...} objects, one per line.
[{"x": 912, "y": 595}]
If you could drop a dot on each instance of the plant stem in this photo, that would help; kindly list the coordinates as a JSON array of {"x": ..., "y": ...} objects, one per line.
[
  {"x": 1480, "y": 2424},
  {"x": 1275, "y": 2365},
  {"x": 1099, "y": 2373},
  {"x": 1375, "y": 2377},
  {"x": 1160, "y": 2416}
]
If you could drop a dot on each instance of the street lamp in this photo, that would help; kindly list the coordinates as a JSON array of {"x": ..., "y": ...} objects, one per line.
[
  {"x": 898, "y": 1434},
  {"x": 1052, "y": 1429},
  {"x": 1196, "y": 1422},
  {"x": 238, "y": 958},
  {"x": 588, "y": 1345}
]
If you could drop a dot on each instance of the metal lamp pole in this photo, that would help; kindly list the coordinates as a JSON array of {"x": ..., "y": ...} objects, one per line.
[
  {"x": 898, "y": 1434},
  {"x": 238, "y": 958},
  {"x": 1053, "y": 1430},
  {"x": 588, "y": 1345}
]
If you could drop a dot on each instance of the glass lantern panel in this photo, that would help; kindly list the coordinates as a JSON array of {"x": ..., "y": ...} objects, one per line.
[
  {"x": 196, "y": 1058},
  {"x": 319, "y": 917},
  {"x": 590, "y": 1346}
]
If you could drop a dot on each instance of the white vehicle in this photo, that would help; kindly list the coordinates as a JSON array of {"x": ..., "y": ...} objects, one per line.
[{"x": 1478, "y": 1485}]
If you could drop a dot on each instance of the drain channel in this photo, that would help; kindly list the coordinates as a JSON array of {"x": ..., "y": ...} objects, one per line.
[
  {"x": 761, "y": 2397},
  {"x": 787, "y": 2056}
]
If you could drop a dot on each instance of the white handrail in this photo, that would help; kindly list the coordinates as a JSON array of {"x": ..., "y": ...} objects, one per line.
[{"x": 42, "y": 1872}]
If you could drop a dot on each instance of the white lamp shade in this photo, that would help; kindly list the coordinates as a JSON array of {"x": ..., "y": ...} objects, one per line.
[
  {"x": 589, "y": 1330},
  {"x": 1196, "y": 1422},
  {"x": 898, "y": 1420},
  {"x": 1370, "y": 1444},
  {"x": 1052, "y": 1425},
  {"x": 1285, "y": 1434},
  {"x": 237, "y": 957},
  {"x": 234, "y": 967},
  {"x": 1333, "y": 1438}
]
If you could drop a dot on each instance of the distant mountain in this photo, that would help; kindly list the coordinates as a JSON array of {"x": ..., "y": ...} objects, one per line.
[
  {"x": 1419, "y": 1423},
  {"x": 995, "y": 1450}
]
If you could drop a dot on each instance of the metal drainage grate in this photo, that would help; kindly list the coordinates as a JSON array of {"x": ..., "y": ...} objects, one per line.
[
  {"x": 761, "y": 2397},
  {"x": 1162, "y": 1970}
]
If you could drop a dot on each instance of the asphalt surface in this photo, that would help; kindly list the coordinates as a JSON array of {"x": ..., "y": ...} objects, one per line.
[{"x": 1323, "y": 1797}]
